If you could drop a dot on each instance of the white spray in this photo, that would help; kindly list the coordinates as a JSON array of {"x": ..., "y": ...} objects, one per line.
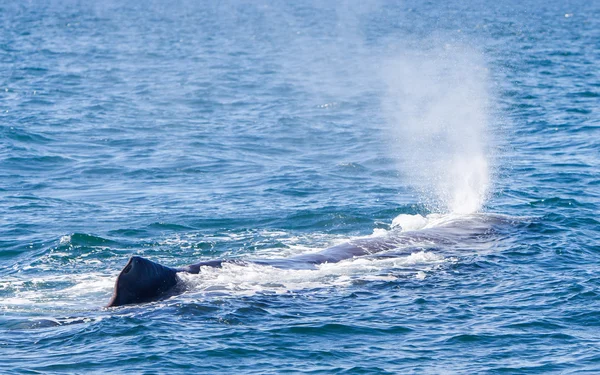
[{"x": 437, "y": 104}]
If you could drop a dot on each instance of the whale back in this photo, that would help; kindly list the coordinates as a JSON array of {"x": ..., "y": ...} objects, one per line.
[{"x": 142, "y": 280}]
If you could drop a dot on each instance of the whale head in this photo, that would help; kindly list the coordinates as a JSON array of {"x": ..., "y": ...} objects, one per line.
[{"x": 142, "y": 280}]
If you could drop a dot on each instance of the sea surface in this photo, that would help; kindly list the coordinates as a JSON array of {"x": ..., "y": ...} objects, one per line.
[{"x": 190, "y": 131}]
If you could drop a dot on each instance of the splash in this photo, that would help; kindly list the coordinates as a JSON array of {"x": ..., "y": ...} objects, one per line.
[
  {"x": 437, "y": 104},
  {"x": 251, "y": 279}
]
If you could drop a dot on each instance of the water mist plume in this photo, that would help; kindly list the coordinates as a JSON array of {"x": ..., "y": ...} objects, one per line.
[{"x": 437, "y": 103}]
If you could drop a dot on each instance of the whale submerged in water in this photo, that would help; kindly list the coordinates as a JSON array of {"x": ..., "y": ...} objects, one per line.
[{"x": 142, "y": 280}]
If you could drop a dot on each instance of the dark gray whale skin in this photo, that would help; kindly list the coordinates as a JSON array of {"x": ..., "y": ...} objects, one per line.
[{"x": 142, "y": 280}]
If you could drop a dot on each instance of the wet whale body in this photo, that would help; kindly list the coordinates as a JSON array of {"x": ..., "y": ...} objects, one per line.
[{"x": 143, "y": 280}]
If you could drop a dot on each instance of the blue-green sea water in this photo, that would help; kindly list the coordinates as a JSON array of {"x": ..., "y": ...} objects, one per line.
[{"x": 191, "y": 131}]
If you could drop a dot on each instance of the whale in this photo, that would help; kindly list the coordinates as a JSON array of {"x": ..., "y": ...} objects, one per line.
[{"x": 142, "y": 280}]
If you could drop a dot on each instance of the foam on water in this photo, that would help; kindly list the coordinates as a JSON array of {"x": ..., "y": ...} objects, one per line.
[
  {"x": 409, "y": 223},
  {"x": 90, "y": 290},
  {"x": 234, "y": 279},
  {"x": 75, "y": 291},
  {"x": 93, "y": 289},
  {"x": 249, "y": 279}
]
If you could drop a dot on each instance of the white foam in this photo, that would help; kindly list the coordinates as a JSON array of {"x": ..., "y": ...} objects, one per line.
[
  {"x": 75, "y": 291},
  {"x": 233, "y": 279},
  {"x": 409, "y": 222},
  {"x": 417, "y": 222}
]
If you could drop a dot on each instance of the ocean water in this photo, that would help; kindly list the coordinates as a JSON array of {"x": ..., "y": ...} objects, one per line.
[{"x": 191, "y": 131}]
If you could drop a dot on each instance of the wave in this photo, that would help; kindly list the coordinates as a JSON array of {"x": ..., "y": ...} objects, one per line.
[{"x": 427, "y": 245}]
